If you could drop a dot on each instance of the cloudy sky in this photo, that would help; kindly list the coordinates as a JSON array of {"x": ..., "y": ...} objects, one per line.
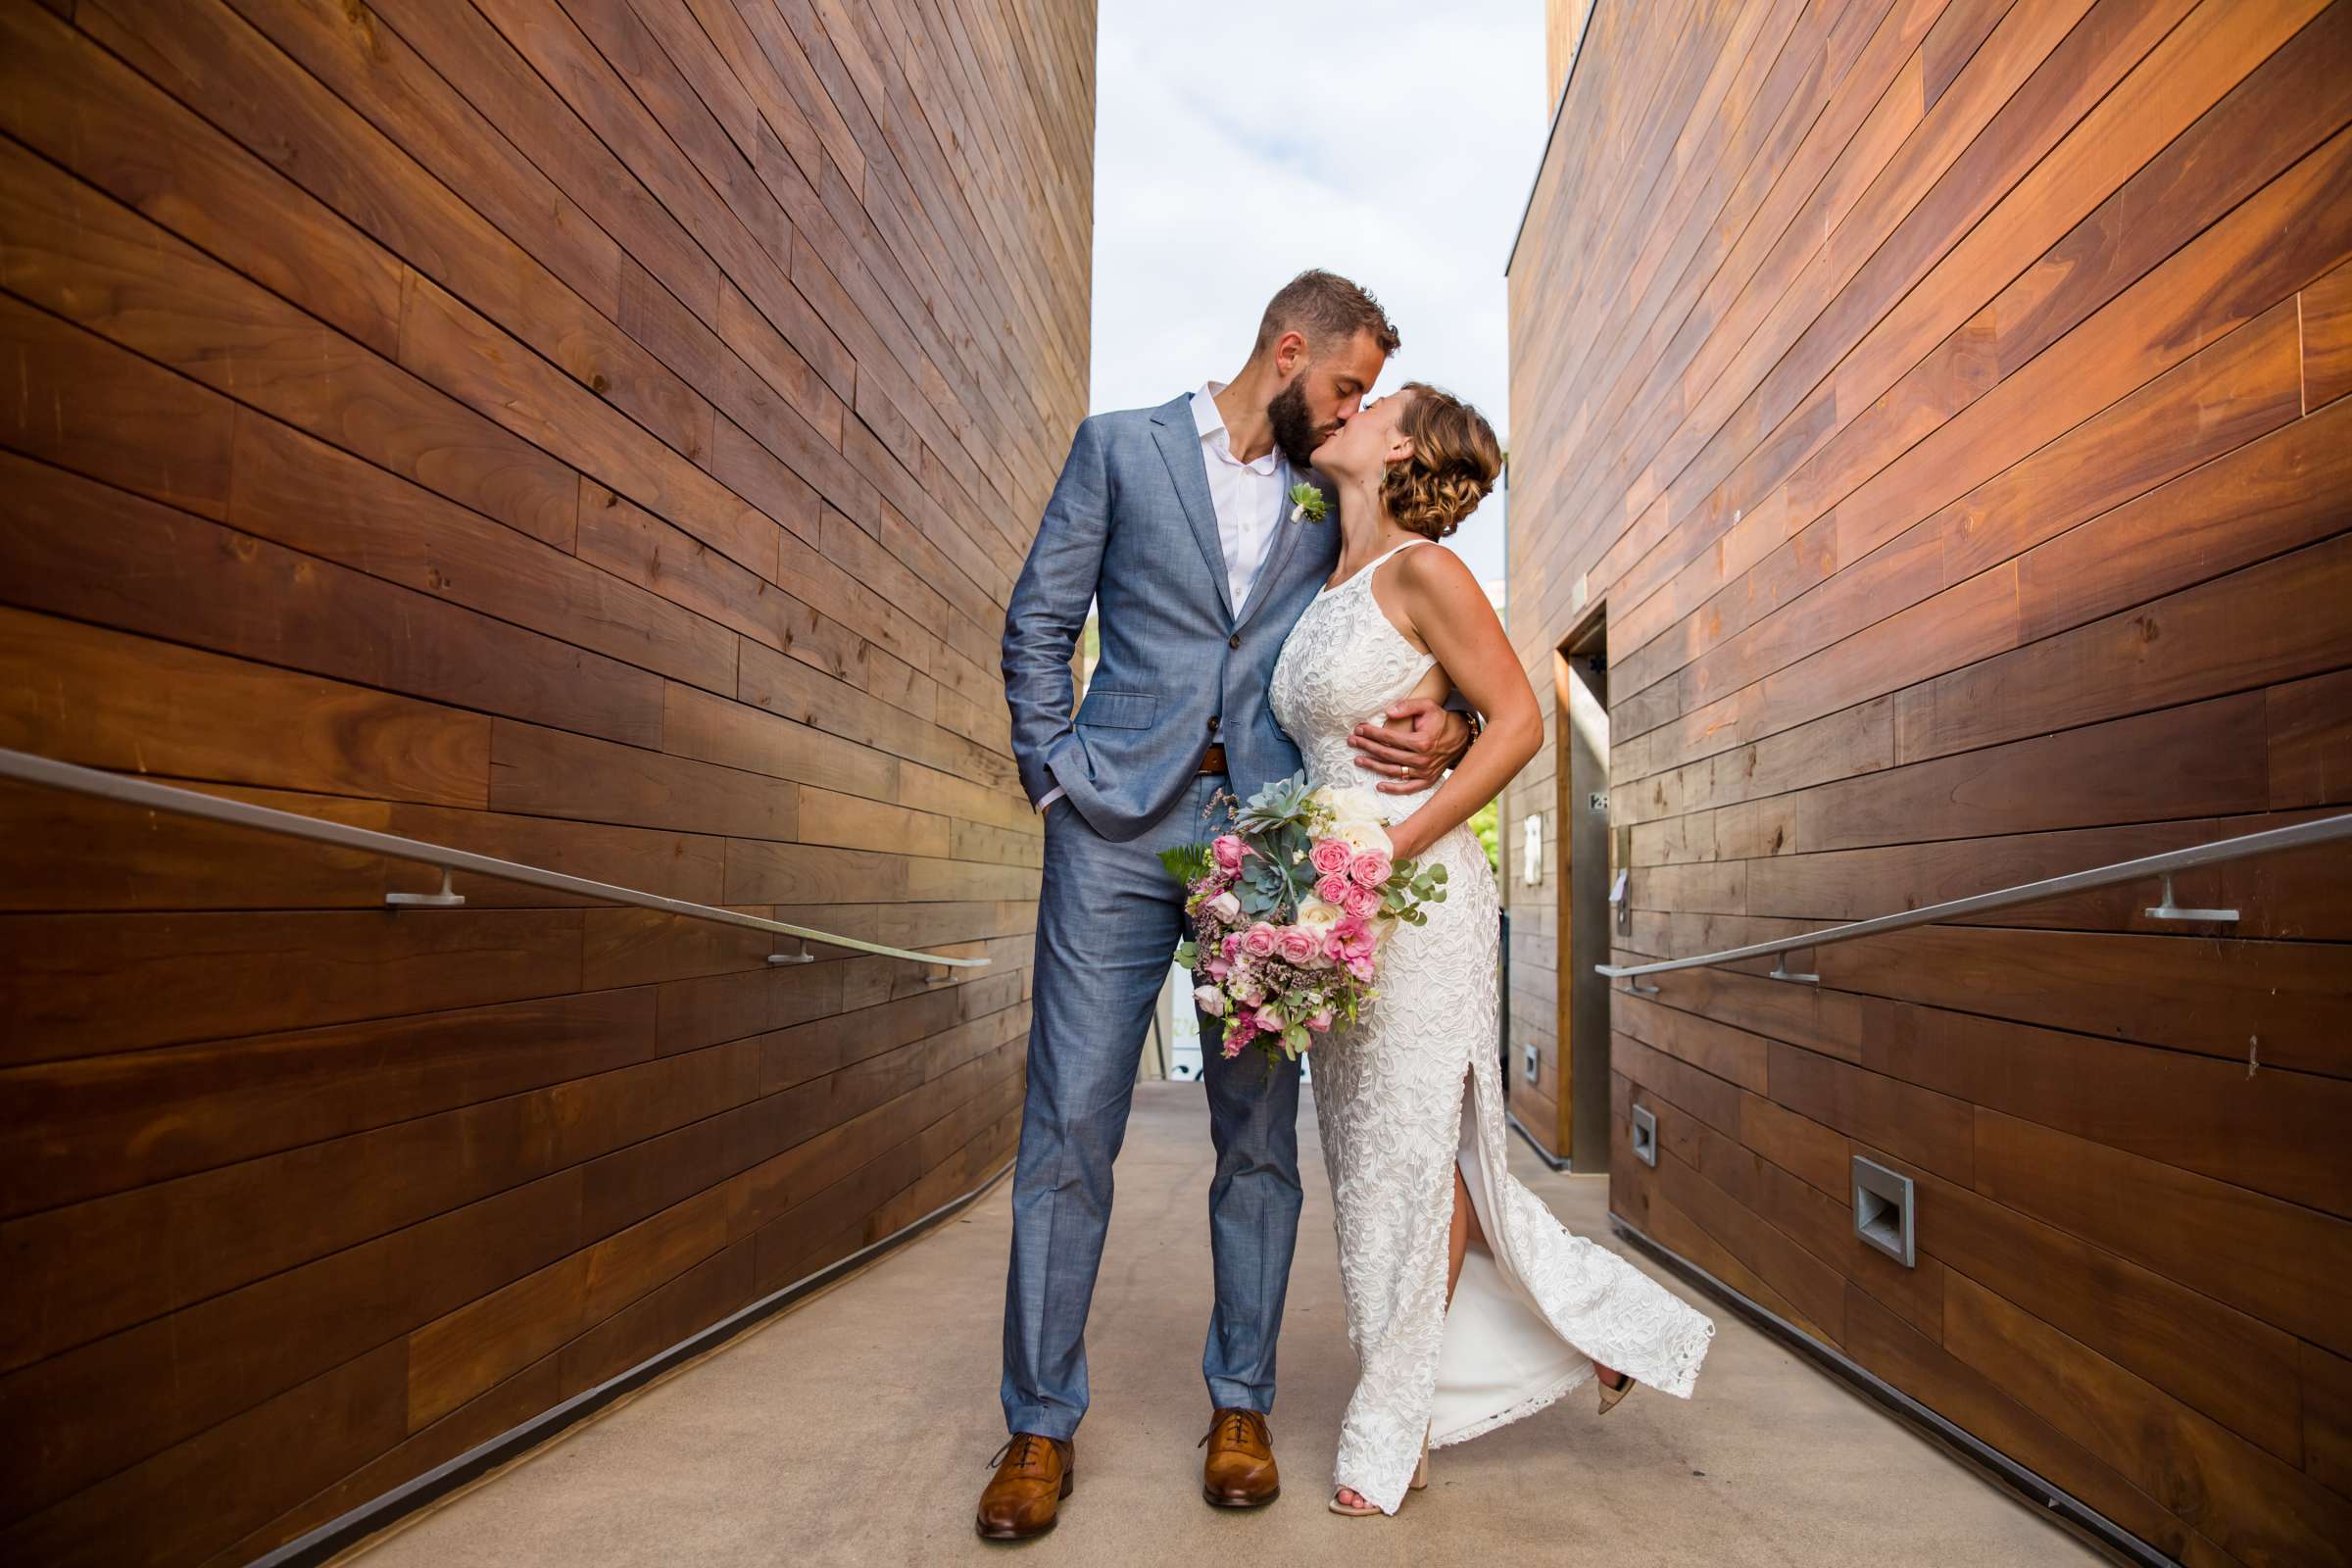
[{"x": 1237, "y": 144}]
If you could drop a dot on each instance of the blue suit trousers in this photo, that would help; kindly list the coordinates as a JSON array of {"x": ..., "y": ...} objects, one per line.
[{"x": 1109, "y": 917}]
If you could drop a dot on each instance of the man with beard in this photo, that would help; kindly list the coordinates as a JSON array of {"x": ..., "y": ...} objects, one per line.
[{"x": 1179, "y": 523}]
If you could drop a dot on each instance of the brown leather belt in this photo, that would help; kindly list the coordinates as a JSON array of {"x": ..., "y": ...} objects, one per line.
[{"x": 1214, "y": 760}]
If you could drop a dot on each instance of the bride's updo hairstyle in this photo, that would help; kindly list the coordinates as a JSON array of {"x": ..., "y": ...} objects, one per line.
[{"x": 1455, "y": 459}]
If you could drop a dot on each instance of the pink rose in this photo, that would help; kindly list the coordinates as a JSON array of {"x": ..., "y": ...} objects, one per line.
[
  {"x": 1335, "y": 940},
  {"x": 1329, "y": 856},
  {"x": 1320, "y": 1023},
  {"x": 1333, "y": 888},
  {"x": 1229, "y": 851},
  {"x": 1224, "y": 908},
  {"x": 1352, "y": 938},
  {"x": 1298, "y": 946},
  {"x": 1232, "y": 947},
  {"x": 1216, "y": 968},
  {"x": 1259, "y": 941},
  {"x": 1371, "y": 869},
  {"x": 1362, "y": 902}
]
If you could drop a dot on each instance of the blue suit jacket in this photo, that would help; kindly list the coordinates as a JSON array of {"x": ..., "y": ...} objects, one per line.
[{"x": 1131, "y": 525}]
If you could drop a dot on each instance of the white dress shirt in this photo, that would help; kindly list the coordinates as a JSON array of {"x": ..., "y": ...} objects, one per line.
[
  {"x": 1248, "y": 497},
  {"x": 1248, "y": 502}
]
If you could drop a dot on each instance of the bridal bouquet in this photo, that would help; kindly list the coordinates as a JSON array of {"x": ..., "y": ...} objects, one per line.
[{"x": 1289, "y": 911}]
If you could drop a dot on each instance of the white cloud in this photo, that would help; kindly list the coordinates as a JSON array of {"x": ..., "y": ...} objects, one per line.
[{"x": 1237, "y": 144}]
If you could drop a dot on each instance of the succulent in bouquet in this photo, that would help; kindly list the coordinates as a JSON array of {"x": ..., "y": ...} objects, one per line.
[{"x": 1289, "y": 909}]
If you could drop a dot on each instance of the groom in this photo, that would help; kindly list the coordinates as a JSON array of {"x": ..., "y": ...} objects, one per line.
[{"x": 1176, "y": 522}]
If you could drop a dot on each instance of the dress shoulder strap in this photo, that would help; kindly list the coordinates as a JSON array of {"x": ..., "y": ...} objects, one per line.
[
  {"x": 1363, "y": 575},
  {"x": 1367, "y": 572}
]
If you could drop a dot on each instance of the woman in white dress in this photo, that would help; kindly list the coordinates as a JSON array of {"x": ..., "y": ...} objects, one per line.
[{"x": 1469, "y": 1306}]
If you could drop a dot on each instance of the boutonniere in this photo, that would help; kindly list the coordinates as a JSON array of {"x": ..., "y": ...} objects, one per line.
[{"x": 1307, "y": 504}]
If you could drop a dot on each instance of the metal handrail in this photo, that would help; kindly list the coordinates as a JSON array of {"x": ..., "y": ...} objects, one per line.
[
  {"x": 36, "y": 770},
  {"x": 2269, "y": 841}
]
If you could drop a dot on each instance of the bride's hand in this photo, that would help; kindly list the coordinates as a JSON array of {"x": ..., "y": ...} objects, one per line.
[
  {"x": 1405, "y": 843},
  {"x": 1409, "y": 759}
]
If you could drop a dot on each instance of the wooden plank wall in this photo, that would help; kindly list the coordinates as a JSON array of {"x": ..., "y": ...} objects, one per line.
[
  {"x": 598, "y": 433},
  {"x": 1944, "y": 401},
  {"x": 1562, "y": 23}
]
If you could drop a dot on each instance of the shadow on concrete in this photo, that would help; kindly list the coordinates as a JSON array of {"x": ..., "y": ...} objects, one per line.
[{"x": 854, "y": 1430}]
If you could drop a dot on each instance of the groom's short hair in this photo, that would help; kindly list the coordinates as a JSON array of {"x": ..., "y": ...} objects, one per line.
[{"x": 1326, "y": 310}]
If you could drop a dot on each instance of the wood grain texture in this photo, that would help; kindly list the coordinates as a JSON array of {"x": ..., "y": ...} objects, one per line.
[
  {"x": 2325, "y": 319},
  {"x": 2279, "y": 1262},
  {"x": 2237, "y": 1368},
  {"x": 2328, "y": 1418},
  {"x": 600, "y": 434},
  {"x": 1936, "y": 419},
  {"x": 1881, "y": 1340},
  {"x": 2248, "y": 1502}
]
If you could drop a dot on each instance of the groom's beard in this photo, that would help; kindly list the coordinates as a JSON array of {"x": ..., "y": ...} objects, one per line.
[{"x": 1294, "y": 427}]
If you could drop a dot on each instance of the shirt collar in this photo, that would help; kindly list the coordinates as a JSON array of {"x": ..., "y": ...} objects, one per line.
[{"x": 1211, "y": 425}]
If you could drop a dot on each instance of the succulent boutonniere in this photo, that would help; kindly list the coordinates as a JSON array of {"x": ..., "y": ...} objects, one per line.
[{"x": 1307, "y": 504}]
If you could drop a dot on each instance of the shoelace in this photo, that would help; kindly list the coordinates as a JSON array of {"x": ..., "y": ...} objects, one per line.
[
  {"x": 1027, "y": 1443},
  {"x": 1236, "y": 1425}
]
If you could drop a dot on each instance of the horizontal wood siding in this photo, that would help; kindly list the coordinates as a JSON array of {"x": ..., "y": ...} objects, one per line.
[
  {"x": 1942, "y": 402},
  {"x": 596, "y": 433}
]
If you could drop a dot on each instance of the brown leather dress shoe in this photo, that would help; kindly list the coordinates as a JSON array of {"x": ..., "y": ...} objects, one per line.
[
  {"x": 1240, "y": 1472},
  {"x": 1024, "y": 1499}
]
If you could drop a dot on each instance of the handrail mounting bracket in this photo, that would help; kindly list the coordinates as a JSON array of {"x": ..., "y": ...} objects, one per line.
[
  {"x": 443, "y": 900},
  {"x": 2168, "y": 910}
]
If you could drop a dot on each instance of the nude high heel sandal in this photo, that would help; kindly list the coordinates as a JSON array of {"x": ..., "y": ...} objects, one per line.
[
  {"x": 1419, "y": 1483},
  {"x": 1610, "y": 1394}
]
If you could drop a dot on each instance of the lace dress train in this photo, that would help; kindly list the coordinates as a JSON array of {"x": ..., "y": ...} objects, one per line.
[{"x": 1412, "y": 1093}]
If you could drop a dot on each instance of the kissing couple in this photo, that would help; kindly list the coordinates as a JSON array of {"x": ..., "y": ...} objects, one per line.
[{"x": 1245, "y": 639}]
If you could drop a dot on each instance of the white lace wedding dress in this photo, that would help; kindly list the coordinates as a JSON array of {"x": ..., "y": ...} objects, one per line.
[{"x": 1528, "y": 1318}]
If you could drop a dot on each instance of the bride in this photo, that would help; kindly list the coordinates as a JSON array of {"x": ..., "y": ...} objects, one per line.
[{"x": 1469, "y": 1306}]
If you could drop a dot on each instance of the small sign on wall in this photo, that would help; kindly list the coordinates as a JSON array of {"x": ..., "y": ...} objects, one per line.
[{"x": 1531, "y": 849}]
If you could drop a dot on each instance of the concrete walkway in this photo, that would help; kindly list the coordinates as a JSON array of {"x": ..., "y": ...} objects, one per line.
[{"x": 854, "y": 1429}]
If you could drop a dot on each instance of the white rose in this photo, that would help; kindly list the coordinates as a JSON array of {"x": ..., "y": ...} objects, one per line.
[
  {"x": 1359, "y": 817},
  {"x": 1350, "y": 803},
  {"x": 1209, "y": 999},
  {"x": 1316, "y": 916}
]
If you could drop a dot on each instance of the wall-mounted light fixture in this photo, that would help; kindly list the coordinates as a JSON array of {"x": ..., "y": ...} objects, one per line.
[{"x": 1882, "y": 1212}]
